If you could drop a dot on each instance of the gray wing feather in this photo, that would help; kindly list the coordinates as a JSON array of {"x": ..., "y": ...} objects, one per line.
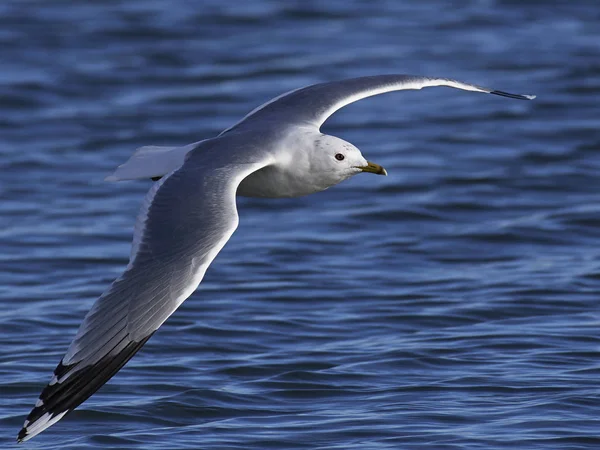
[
  {"x": 184, "y": 222},
  {"x": 312, "y": 105}
]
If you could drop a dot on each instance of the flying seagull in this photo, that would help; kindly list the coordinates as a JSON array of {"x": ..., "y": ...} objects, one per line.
[{"x": 188, "y": 215}]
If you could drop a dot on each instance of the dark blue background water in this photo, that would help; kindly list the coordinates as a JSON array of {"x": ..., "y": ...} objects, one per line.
[{"x": 451, "y": 305}]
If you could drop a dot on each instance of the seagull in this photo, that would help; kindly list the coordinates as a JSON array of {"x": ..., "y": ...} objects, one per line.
[{"x": 189, "y": 213}]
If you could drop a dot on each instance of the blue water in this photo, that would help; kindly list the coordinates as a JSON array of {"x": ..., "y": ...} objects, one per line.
[{"x": 452, "y": 305}]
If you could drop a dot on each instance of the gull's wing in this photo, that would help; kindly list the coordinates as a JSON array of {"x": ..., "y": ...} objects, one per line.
[
  {"x": 312, "y": 105},
  {"x": 185, "y": 220}
]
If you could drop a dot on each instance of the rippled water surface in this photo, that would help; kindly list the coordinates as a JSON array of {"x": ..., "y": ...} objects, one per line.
[{"x": 452, "y": 305}]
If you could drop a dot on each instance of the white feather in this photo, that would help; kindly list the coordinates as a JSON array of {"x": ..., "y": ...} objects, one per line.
[
  {"x": 151, "y": 161},
  {"x": 41, "y": 424}
]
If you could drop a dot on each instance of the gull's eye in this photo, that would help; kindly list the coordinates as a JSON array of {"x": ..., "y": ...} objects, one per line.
[{"x": 339, "y": 157}]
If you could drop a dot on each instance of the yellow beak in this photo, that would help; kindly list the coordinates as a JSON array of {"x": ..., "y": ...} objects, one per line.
[{"x": 373, "y": 168}]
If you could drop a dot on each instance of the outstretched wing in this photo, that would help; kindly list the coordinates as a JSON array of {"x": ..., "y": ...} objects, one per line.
[
  {"x": 185, "y": 220},
  {"x": 312, "y": 105}
]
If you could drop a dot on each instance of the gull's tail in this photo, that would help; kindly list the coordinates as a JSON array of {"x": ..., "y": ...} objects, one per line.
[{"x": 151, "y": 162}]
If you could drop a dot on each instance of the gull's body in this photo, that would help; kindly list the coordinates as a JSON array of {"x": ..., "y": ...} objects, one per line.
[{"x": 190, "y": 213}]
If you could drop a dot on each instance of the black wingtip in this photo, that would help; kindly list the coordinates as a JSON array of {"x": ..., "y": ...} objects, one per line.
[
  {"x": 517, "y": 96},
  {"x": 61, "y": 397}
]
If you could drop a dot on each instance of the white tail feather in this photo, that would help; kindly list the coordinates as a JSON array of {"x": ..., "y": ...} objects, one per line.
[{"x": 151, "y": 161}]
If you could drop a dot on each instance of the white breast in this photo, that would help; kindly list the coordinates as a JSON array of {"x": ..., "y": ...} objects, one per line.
[
  {"x": 296, "y": 171},
  {"x": 275, "y": 182}
]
